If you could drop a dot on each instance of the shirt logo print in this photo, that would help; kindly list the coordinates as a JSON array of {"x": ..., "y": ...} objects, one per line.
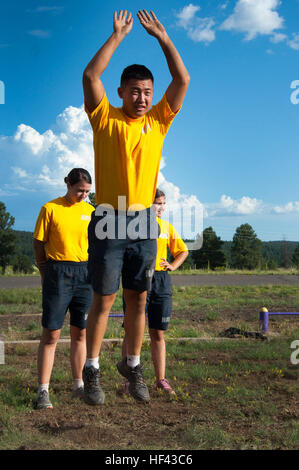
[{"x": 146, "y": 129}]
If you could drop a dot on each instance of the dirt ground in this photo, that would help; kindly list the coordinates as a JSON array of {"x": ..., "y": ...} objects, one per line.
[
  {"x": 208, "y": 418},
  {"x": 123, "y": 424}
]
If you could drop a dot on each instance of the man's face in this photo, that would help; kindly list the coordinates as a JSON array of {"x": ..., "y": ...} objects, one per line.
[
  {"x": 159, "y": 205},
  {"x": 137, "y": 96}
]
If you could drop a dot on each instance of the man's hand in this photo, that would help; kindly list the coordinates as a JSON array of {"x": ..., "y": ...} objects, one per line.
[
  {"x": 92, "y": 85},
  {"x": 121, "y": 24},
  {"x": 151, "y": 24},
  {"x": 176, "y": 91}
]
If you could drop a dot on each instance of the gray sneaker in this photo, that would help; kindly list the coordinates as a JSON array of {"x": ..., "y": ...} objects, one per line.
[
  {"x": 43, "y": 400},
  {"x": 78, "y": 392},
  {"x": 93, "y": 394},
  {"x": 137, "y": 386}
]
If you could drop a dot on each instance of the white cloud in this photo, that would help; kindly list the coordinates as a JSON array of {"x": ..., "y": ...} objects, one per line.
[
  {"x": 46, "y": 9},
  {"x": 278, "y": 37},
  {"x": 228, "y": 206},
  {"x": 187, "y": 15},
  {"x": 223, "y": 6},
  {"x": 287, "y": 208},
  {"x": 198, "y": 29},
  {"x": 40, "y": 33},
  {"x": 254, "y": 17},
  {"x": 294, "y": 42},
  {"x": 42, "y": 161}
]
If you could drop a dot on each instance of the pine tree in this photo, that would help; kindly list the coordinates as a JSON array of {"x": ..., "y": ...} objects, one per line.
[
  {"x": 295, "y": 257},
  {"x": 92, "y": 199},
  {"x": 7, "y": 237},
  {"x": 246, "y": 248},
  {"x": 210, "y": 256}
]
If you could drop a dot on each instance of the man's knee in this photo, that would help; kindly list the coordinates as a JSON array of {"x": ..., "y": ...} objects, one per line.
[
  {"x": 135, "y": 300},
  {"x": 156, "y": 335},
  {"x": 50, "y": 337}
]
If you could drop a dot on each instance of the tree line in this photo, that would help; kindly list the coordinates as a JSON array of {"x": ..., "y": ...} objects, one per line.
[{"x": 245, "y": 251}]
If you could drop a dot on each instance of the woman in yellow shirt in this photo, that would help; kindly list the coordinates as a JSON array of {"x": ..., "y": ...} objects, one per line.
[
  {"x": 61, "y": 253},
  {"x": 159, "y": 298}
]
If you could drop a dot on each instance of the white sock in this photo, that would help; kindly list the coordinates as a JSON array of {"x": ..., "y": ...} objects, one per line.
[
  {"x": 77, "y": 384},
  {"x": 92, "y": 362},
  {"x": 133, "y": 361},
  {"x": 42, "y": 387}
]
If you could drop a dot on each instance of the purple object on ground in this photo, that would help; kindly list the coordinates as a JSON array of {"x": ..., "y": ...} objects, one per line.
[{"x": 264, "y": 318}]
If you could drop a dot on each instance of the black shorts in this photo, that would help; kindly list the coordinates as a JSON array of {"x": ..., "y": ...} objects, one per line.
[
  {"x": 65, "y": 286},
  {"x": 110, "y": 258},
  {"x": 158, "y": 301}
]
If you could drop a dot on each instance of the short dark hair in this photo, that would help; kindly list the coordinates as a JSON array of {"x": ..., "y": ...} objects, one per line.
[
  {"x": 76, "y": 175},
  {"x": 136, "y": 72},
  {"x": 159, "y": 193}
]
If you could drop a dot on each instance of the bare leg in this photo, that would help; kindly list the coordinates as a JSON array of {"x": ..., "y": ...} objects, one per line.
[
  {"x": 78, "y": 350},
  {"x": 134, "y": 320},
  {"x": 124, "y": 348},
  {"x": 158, "y": 352},
  {"x": 97, "y": 322},
  {"x": 46, "y": 354}
]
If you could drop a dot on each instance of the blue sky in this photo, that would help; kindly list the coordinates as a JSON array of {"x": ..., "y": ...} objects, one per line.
[{"x": 234, "y": 145}]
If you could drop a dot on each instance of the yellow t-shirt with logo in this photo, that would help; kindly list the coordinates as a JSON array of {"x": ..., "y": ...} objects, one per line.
[
  {"x": 127, "y": 153},
  {"x": 169, "y": 238},
  {"x": 64, "y": 228}
]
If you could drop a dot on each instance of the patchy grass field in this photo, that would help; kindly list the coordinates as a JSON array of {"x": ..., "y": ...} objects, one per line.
[{"x": 231, "y": 393}]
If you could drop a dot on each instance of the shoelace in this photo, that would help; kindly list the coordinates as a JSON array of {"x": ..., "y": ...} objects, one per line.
[
  {"x": 137, "y": 375},
  {"x": 93, "y": 378}
]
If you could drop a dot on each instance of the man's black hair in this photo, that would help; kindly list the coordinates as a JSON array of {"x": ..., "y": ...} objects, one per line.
[{"x": 136, "y": 72}]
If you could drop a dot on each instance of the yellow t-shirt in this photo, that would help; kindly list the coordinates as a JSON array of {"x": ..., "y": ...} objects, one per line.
[
  {"x": 64, "y": 228},
  {"x": 127, "y": 153},
  {"x": 169, "y": 238}
]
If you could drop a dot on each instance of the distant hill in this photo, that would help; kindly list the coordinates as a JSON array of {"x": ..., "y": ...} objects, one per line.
[{"x": 276, "y": 250}]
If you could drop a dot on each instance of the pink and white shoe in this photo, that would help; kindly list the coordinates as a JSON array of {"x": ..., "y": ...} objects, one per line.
[{"x": 164, "y": 385}]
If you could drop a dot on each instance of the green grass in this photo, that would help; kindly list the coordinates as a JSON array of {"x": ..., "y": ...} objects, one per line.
[
  {"x": 280, "y": 271},
  {"x": 230, "y": 395}
]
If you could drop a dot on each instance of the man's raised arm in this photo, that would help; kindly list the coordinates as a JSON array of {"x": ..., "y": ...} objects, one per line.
[
  {"x": 92, "y": 85},
  {"x": 177, "y": 89}
]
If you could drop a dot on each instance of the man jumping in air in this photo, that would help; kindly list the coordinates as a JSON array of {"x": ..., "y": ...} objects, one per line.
[{"x": 128, "y": 145}]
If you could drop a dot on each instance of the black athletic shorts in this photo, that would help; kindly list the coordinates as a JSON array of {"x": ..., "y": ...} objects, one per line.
[
  {"x": 158, "y": 301},
  {"x": 132, "y": 259},
  {"x": 65, "y": 286}
]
